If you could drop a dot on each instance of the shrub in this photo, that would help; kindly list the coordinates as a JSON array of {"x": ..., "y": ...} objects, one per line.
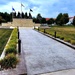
[
  {"x": 57, "y": 36},
  {"x": 10, "y": 50},
  {"x": 67, "y": 40},
  {"x": 13, "y": 45},
  {"x": 10, "y": 61},
  {"x": 62, "y": 38},
  {"x": 53, "y": 35},
  {"x": 73, "y": 42},
  {"x": 11, "y": 41}
]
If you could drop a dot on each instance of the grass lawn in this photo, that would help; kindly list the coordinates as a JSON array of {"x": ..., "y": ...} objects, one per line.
[
  {"x": 66, "y": 33},
  {"x": 4, "y": 36}
]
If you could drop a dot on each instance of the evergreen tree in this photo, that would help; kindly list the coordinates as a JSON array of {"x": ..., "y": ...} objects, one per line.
[
  {"x": 14, "y": 14},
  {"x": 11, "y": 17},
  {"x": 22, "y": 15},
  {"x": 30, "y": 16},
  {"x": 26, "y": 15},
  {"x": 18, "y": 15},
  {"x": 39, "y": 16}
]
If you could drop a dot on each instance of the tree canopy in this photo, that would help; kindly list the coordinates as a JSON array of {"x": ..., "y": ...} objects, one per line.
[
  {"x": 43, "y": 21},
  {"x": 5, "y": 17},
  {"x": 62, "y": 19},
  {"x": 30, "y": 16},
  {"x": 26, "y": 15},
  {"x": 73, "y": 21},
  {"x": 50, "y": 21}
]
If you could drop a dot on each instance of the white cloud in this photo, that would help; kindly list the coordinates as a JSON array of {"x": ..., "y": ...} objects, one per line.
[
  {"x": 47, "y": 8},
  {"x": 44, "y": 6},
  {"x": 15, "y": 5},
  {"x": 43, "y": 1}
]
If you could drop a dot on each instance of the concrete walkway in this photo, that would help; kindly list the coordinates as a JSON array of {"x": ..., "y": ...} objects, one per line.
[
  {"x": 19, "y": 70},
  {"x": 63, "y": 72},
  {"x": 43, "y": 54}
]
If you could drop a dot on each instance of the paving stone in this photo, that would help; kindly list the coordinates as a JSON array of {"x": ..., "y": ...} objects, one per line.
[
  {"x": 43, "y": 54},
  {"x": 64, "y": 72}
]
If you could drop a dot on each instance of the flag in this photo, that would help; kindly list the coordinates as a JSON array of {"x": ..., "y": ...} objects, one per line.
[
  {"x": 31, "y": 10},
  {"x": 13, "y": 9},
  {"x": 22, "y": 5}
]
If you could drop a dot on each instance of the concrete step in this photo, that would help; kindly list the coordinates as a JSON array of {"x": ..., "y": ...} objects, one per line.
[{"x": 23, "y": 22}]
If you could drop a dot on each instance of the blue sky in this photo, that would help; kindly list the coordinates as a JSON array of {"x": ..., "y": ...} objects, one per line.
[{"x": 47, "y": 8}]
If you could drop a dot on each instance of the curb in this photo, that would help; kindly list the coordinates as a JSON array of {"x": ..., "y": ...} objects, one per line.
[
  {"x": 3, "y": 53},
  {"x": 59, "y": 40}
]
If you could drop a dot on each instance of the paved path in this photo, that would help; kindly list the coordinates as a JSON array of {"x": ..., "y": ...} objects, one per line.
[
  {"x": 63, "y": 72},
  {"x": 19, "y": 70},
  {"x": 43, "y": 54}
]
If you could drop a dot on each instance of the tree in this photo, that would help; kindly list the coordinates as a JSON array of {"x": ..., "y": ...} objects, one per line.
[
  {"x": 62, "y": 19},
  {"x": 37, "y": 21},
  {"x": 14, "y": 14},
  {"x": 11, "y": 17},
  {"x": 39, "y": 17},
  {"x": 26, "y": 15},
  {"x": 5, "y": 17},
  {"x": 18, "y": 15},
  {"x": 58, "y": 19},
  {"x": 34, "y": 19},
  {"x": 30, "y": 16},
  {"x": 50, "y": 21},
  {"x": 22, "y": 15},
  {"x": 43, "y": 20},
  {"x": 73, "y": 21},
  {"x": 65, "y": 18},
  {"x": 0, "y": 19}
]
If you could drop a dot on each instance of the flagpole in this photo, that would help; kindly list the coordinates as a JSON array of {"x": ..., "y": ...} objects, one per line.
[
  {"x": 12, "y": 16},
  {"x": 21, "y": 10}
]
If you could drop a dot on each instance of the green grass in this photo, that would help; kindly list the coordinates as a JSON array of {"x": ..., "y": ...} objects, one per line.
[
  {"x": 65, "y": 32},
  {"x": 4, "y": 36},
  {"x": 10, "y": 60},
  {"x": 11, "y": 47}
]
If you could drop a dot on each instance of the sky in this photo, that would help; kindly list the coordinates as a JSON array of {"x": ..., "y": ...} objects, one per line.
[{"x": 47, "y": 8}]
